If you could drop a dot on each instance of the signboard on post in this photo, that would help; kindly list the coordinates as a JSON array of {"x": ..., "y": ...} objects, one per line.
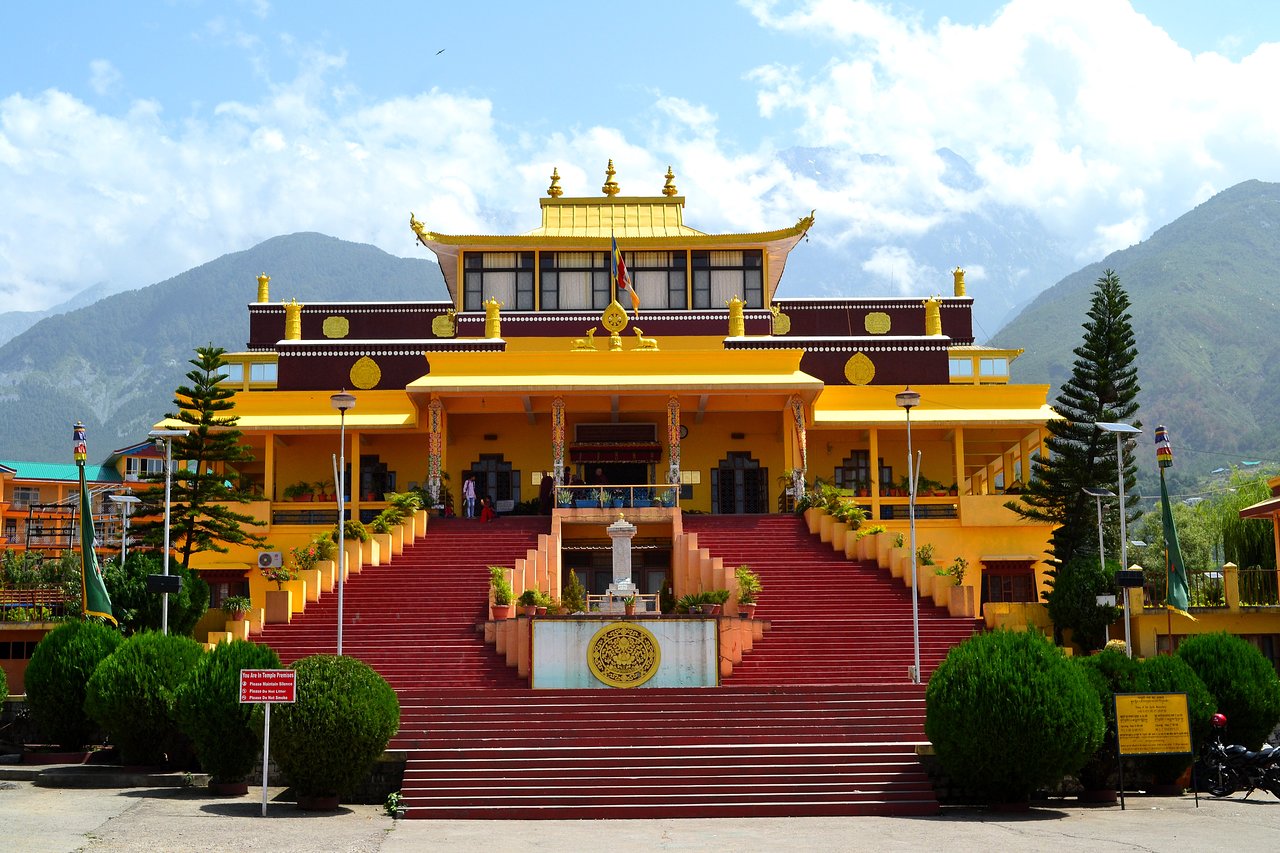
[
  {"x": 1151, "y": 724},
  {"x": 267, "y": 686}
]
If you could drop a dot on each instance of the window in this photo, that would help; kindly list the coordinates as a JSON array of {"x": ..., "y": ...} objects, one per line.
[
  {"x": 719, "y": 275},
  {"x": 659, "y": 279},
  {"x": 575, "y": 281},
  {"x": 234, "y": 373},
  {"x": 24, "y": 496},
  {"x": 994, "y": 367},
  {"x": 505, "y": 276},
  {"x": 961, "y": 368},
  {"x": 854, "y": 471},
  {"x": 1008, "y": 580},
  {"x": 139, "y": 467},
  {"x": 263, "y": 372}
]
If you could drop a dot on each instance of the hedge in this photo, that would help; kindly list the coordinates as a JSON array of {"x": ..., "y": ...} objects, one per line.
[
  {"x": 58, "y": 675},
  {"x": 1242, "y": 682}
]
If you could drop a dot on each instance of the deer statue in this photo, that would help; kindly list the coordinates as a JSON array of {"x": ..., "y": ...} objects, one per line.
[
  {"x": 587, "y": 343},
  {"x": 643, "y": 343}
]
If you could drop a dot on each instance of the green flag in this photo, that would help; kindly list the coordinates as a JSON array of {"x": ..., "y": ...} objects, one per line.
[
  {"x": 1178, "y": 595},
  {"x": 93, "y": 590}
]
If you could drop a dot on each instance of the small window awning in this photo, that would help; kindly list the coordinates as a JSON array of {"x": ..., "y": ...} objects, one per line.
[{"x": 1262, "y": 509}]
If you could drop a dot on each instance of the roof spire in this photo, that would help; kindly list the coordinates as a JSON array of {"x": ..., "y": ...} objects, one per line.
[
  {"x": 554, "y": 190},
  {"x": 669, "y": 188},
  {"x": 610, "y": 187}
]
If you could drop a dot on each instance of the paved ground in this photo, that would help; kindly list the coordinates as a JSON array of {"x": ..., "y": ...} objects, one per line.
[{"x": 149, "y": 820}]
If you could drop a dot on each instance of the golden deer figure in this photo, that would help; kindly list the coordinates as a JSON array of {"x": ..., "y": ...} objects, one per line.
[
  {"x": 643, "y": 343},
  {"x": 587, "y": 343}
]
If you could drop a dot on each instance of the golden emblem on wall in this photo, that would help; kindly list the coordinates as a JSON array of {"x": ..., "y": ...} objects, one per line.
[
  {"x": 623, "y": 654},
  {"x": 445, "y": 325},
  {"x": 614, "y": 317},
  {"x": 336, "y": 327},
  {"x": 877, "y": 323},
  {"x": 859, "y": 369},
  {"x": 781, "y": 322},
  {"x": 365, "y": 373}
]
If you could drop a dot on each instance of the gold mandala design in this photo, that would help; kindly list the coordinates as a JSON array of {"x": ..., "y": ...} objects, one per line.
[
  {"x": 781, "y": 323},
  {"x": 365, "y": 373},
  {"x": 336, "y": 327},
  {"x": 442, "y": 326},
  {"x": 623, "y": 655},
  {"x": 877, "y": 323},
  {"x": 859, "y": 369}
]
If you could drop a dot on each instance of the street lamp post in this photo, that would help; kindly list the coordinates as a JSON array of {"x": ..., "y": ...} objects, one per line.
[
  {"x": 908, "y": 400},
  {"x": 1098, "y": 495},
  {"x": 126, "y": 503},
  {"x": 167, "y": 436},
  {"x": 342, "y": 402},
  {"x": 1121, "y": 430}
]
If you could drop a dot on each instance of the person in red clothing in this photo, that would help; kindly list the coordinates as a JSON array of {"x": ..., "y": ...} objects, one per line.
[{"x": 486, "y": 509}]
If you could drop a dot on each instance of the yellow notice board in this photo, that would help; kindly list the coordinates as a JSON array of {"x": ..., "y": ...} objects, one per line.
[{"x": 1153, "y": 723}]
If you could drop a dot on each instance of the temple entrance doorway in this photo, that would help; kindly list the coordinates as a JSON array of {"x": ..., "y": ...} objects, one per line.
[
  {"x": 739, "y": 485},
  {"x": 615, "y": 473},
  {"x": 495, "y": 478}
]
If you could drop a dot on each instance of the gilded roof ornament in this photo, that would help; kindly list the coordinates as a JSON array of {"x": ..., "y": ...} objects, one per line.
[
  {"x": 610, "y": 187},
  {"x": 264, "y": 288},
  {"x": 418, "y": 227},
  {"x": 669, "y": 188},
  {"x": 958, "y": 275},
  {"x": 554, "y": 190}
]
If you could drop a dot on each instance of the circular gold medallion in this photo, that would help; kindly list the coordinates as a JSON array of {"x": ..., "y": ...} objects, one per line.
[
  {"x": 623, "y": 654},
  {"x": 859, "y": 370},
  {"x": 614, "y": 317},
  {"x": 781, "y": 323},
  {"x": 336, "y": 327},
  {"x": 877, "y": 323},
  {"x": 442, "y": 326},
  {"x": 365, "y": 373}
]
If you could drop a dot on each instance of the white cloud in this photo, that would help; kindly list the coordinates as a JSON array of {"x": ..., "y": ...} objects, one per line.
[
  {"x": 897, "y": 268},
  {"x": 104, "y": 78}
]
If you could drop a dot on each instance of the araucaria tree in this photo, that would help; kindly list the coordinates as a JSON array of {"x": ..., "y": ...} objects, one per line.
[
  {"x": 206, "y": 480},
  {"x": 1103, "y": 388}
]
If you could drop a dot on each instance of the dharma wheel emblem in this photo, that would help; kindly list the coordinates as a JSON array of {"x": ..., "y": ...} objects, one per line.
[
  {"x": 859, "y": 369},
  {"x": 623, "y": 654},
  {"x": 614, "y": 317}
]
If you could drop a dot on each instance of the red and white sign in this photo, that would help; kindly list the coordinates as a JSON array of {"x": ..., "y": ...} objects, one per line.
[{"x": 268, "y": 685}]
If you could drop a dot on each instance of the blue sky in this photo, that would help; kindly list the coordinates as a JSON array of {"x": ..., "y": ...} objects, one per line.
[{"x": 138, "y": 140}]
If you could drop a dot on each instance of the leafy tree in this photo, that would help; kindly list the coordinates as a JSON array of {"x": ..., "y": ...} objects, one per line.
[
  {"x": 1197, "y": 530},
  {"x": 1103, "y": 388},
  {"x": 1245, "y": 541},
  {"x": 1072, "y": 601},
  {"x": 137, "y": 609},
  {"x": 201, "y": 517}
]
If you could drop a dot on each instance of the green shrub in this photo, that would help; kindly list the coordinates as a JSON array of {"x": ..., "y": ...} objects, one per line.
[
  {"x": 328, "y": 740},
  {"x": 1109, "y": 672},
  {"x": 227, "y": 735},
  {"x": 130, "y": 695},
  {"x": 4, "y": 686},
  {"x": 325, "y": 546},
  {"x": 1007, "y": 713},
  {"x": 1072, "y": 601},
  {"x": 574, "y": 595},
  {"x": 57, "y": 676},
  {"x": 1165, "y": 674},
  {"x": 502, "y": 592},
  {"x": 138, "y": 609},
  {"x": 353, "y": 530},
  {"x": 1241, "y": 681}
]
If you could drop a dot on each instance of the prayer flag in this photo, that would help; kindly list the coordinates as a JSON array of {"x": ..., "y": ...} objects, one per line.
[
  {"x": 93, "y": 590},
  {"x": 622, "y": 280}
]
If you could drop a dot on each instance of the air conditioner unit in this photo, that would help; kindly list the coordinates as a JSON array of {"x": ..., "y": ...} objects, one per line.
[{"x": 270, "y": 559}]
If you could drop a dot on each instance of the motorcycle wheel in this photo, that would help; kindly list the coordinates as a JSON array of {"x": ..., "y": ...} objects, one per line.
[{"x": 1223, "y": 781}]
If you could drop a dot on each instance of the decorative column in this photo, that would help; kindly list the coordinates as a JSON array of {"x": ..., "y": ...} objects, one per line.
[
  {"x": 621, "y": 532},
  {"x": 557, "y": 441},
  {"x": 933, "y": 317},
  {"x": 292, "y": 321},
  {"x": 435, "y": 412},
  {"x": 673, "y": 440},
  {"x": 798, "y": 474},
  {"x": 264, "y": 288}
]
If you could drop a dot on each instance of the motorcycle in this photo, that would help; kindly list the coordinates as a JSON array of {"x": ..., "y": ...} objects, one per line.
[{"x": 1231, "y": 768}]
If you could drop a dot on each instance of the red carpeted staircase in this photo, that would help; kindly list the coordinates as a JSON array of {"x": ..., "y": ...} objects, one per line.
[
  {"x": 414, "y": 619},
  {"x": 817, "y": 720},
  {"x": 833, "y": 621}
]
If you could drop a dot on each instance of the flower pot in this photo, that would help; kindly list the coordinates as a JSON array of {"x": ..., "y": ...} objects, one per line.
[
  {"x": 529, "y": 610},
  {"x": 629, "y": 609},
  {"x": 229, "y": 789},
  {"x": 502, "y": 611},
  {"x": 710, "y": 609},
  {"x": 541, "y": 611},
  {"x": 238, "y": 615},
  {"x": 747, "y": 610}
]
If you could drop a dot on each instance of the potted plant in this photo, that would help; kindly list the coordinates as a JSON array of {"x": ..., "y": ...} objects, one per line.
[
  {"x": 502, "y": 592},
  {"x": 629, "y": 605},
  {"x": 295, "y": 491},
  {"x": 691, "y": 603},
  {"x": 528, "y": 602},
  {"x": 236, "y": 607},
  {"x": 713, "y": 603},
  {"x": 749, "y": 588}
]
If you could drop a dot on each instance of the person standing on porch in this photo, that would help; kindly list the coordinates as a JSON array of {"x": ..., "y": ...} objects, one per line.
[{"x": 469, "y": 496}]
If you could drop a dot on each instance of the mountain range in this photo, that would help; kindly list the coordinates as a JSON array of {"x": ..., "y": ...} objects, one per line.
[
  {"x": 114, "y": 364},
  {"x": 1203, "y": 313}
]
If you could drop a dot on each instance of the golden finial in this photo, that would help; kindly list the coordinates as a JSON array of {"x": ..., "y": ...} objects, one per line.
[
  {"x": 264, "y": 288},
  {"x": 669, "y": 188},
  {"x": 554, "y": 190},
  {"x": 737, "y": 323},
  {"x": 610, "y": 187},
  {"x": 958, "y": 275},
  {"x": 933, "y": 316},
  {"x": 492, "y": 319},
  {"x": 292, "y": 321}
]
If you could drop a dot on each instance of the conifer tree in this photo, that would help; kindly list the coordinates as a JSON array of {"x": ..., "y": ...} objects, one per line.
[
  {"x": 1103, "y": 387},
  {"x": 205, "y": 479}
]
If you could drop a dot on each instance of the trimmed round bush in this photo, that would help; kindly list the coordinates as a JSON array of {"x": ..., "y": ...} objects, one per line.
[
  {"x": 328, "y": 740},
  {"x": 131, "y": 696},
  {"x": 1109, "y": 672},
  {"x": 1242, "y": 682},
  {"x": 57, "y": 676},
  {"x": 1008, "y": 714},
  {"x": 1166, "y": 674},
  {"x": 227, "y": 735}
]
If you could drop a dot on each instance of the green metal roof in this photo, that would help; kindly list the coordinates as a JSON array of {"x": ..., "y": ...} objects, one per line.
[{"x": 62, "y": 472}]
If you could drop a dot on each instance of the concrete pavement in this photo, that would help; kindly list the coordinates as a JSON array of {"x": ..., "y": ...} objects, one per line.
[{"x": 151, "y": 820}]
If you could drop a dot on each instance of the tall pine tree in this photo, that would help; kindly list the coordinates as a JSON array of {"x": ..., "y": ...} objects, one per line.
[
  {"x": 1103, "y": 387},
  {"x": 206, "y": 483}
]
